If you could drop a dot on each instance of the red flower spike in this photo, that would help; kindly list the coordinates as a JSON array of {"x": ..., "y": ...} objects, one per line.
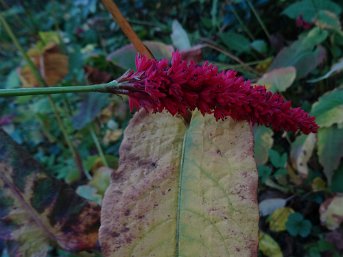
[{"x": 182, "y": 86}]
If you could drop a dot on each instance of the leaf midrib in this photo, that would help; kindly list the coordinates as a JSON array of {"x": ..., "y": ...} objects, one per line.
[{"x": 179, "y": 196}]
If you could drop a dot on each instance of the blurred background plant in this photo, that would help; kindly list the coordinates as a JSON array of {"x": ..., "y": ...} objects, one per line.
[{"x": 293, "y": 47}]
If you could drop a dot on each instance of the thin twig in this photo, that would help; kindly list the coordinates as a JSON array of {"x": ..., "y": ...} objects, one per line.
[
  {"x": 258, "y": 18},
  {"x": 210, "y": 44},
  {"x": 126, "y": 28},
  {"x": 240, "y": 21}
]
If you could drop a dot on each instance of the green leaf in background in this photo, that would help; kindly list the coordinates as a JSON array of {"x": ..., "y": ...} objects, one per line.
[
  {"x": 125, "y": 56},
  {"x": 302, "y": 53},
  {"x": 318, "y": 184},
  {"x": 263, "y": 141},
  {"x": 179, "y": 36},
  {"x": 260, "y": 46},
  {"x": 90, "y": 193},
  {"x": 278, "y": 219},
  {"x": 15, "y": 10},
  {"x": 268, "y": 246},
  {"x": 46, "y": 38},
  {"x": 264, "y": 172},
  {"x": 236, "y": 42},
  {"x": 328, "y": 20},
  {"x": 182, "y": 190},
  {"x": 40, "y": 106},
  {"x": 278, "y": 80},
  {"x": 280, "y": 172},
  {"x": 330, "y": 145},
  {"x": 329, "y": 108},
  {"x": 308, "y": 61},
  {"x": 337, "y": 67},
  {"x": 337, "y": 180},
  {"x": 38, "y": 210},
  {"x": 278, "y": 161},
  {"x": 309, "y": 9},
  {"x": 319, "y": 248},
  {"x": 90, "y": 107},
  {"x": 297, "y": 225},
  {"x": 301, "y": 151},
  {"x": 312, "y": 38},
  {"x": 12, "y": 80}
]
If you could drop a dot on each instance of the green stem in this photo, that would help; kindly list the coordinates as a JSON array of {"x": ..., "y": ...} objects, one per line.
[
  {"x": 235, "y": 66},
  {"x": 258, "y": 18},
  {"x": 104, "y": 88},
  {"x": 98, "y": 146}
]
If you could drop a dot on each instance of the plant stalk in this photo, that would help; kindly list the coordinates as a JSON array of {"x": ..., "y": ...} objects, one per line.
[{"x": 102, "y": 88}]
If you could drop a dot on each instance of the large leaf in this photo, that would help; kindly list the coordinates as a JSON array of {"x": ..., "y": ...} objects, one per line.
[
  {"x": 37, "y": 210},
  {"x": 182, "y": 190},
  {"x": 302, "y": 53},
  {"x": 90, "y": 107},
  {"x": 330, "y": 145},
  {"x": 329, "y": 108}
]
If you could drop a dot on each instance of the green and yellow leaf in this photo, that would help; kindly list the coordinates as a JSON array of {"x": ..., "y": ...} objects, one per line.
[
  {"x": 263, "y": 142},
  {"x": 182, "y": 190},
  {"x": 329, "y": 108},
  {"x": 268, "y": 246},
  {"x": 278, "y": 80},
  {"x": 277, "y": 221}
]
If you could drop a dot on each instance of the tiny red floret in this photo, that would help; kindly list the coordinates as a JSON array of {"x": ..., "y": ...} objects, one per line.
[{"x": 182, "y": 86}]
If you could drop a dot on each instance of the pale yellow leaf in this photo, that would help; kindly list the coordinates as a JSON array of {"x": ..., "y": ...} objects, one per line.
[{"x": 182, "y": 190}]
